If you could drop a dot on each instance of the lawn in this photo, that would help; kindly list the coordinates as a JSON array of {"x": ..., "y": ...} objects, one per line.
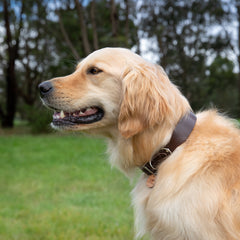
[{"x": 61, "y": 187}]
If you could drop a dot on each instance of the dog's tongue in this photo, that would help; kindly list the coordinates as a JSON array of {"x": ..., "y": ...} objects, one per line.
[{"x": 88, "y": 111}]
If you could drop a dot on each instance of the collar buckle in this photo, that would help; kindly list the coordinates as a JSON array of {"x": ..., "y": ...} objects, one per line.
[
  {"x": 161, "y": 154},
  {"x": 150, "y": 168},
  {"x": 180, "y": 134}
]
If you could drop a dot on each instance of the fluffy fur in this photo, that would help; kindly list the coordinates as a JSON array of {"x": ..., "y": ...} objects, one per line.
[{"x": 197, "y": 190}]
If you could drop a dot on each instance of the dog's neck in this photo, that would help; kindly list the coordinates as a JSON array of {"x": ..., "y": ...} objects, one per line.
[
  {"x": 129, "y": 154},
  {"x": 148, "y": 142}
]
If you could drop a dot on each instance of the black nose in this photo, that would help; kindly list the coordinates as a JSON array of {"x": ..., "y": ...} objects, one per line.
[{"x": 45, "y": 88}]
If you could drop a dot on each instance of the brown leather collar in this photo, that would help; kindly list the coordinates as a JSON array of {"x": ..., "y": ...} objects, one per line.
[{"x": 180, "y": 134}]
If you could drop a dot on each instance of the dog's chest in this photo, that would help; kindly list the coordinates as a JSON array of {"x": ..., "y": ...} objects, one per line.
[
  {"x": 166, "y": 217},
  {"x": 152, "y": 213}
]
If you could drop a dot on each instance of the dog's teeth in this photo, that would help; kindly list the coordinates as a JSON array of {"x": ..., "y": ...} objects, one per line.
[{"x": 62, "y": 115}]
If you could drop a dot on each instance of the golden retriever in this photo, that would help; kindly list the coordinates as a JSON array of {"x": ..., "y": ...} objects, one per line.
[{"x": 195, "y": 194}]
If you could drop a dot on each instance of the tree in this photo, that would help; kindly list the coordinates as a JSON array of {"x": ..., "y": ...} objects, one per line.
[
  {"x": 117, "y": 23},
  {"x": 219, "y": 86},
  {"x": 83, "y": 25},
  {"x": 12, "y": 42},
  {"x": 111, "y": 25},
  {"x": 23, "y": 55},
  {"x": 33, "y": 62},
  {"x": 66, "y": 36},
  {"x": 114, "y": 18},
  {"x": 186, "y": 36},
  {"x": 94, "y": 25}
]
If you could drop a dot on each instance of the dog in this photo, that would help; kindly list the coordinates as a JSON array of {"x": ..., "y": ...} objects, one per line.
[{"x": 190, "y": 185}]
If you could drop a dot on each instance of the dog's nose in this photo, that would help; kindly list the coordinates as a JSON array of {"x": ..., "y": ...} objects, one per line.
[{"x": 45, "y": 88}]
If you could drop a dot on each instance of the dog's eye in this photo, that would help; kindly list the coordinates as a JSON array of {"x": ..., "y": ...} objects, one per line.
[{"x": 94, "y": 70}]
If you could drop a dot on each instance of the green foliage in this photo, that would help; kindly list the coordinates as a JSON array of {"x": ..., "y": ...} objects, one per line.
[
  {"x": 220, "y": 85},
  {"x": 188, "y": 34},
  {"x": 61, "y": 187},
  {"x": 39, "y": 118}
]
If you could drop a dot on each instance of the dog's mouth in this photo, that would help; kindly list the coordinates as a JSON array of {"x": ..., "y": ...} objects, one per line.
[{"x": 83, "y": 116}]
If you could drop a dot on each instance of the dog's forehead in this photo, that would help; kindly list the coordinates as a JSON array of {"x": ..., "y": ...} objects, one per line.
[{"x": 104, "y": 58}]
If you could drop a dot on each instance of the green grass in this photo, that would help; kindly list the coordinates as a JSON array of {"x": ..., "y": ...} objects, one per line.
[{"x": 55, "y": 187}]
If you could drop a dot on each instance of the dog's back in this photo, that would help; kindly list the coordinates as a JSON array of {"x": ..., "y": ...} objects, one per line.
[{"x": 197, "y": 191}]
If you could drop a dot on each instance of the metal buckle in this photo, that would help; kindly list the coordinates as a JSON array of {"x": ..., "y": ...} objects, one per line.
[{"x": 161, "y": 154}]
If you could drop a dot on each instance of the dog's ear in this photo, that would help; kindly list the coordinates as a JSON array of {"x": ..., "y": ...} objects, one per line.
[{"x": 145, "y": 101}]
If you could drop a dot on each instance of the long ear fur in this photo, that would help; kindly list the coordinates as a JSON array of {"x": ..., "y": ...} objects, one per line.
[{"x": 145, "y": 101}]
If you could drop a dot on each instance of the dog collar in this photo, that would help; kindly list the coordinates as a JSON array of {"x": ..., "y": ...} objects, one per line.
[{"x": 180, "y": 134}]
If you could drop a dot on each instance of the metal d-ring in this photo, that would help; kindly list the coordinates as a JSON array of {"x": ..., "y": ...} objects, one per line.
[
  {"x": 162, "y": 153},
  {"x": 150, "y": 163}
]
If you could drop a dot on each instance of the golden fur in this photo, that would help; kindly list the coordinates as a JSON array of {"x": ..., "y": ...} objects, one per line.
[{"x": 197, "y": 190}]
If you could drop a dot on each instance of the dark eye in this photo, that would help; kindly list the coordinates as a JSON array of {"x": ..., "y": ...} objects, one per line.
[{"x": 94, "y": 70}]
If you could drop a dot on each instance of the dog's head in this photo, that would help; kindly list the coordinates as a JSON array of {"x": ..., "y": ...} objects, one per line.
[{"x": 112, "y": 87}]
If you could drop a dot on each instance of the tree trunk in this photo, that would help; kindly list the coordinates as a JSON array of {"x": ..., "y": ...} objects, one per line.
[
  {"x": 94, "y": 27},
  {"x": 113, "y": 18},
  {"x": 126, "y": 21},
  {"x": 11, "y": 93},
  {"x": 84, "y": 33},
  {"x": 11, "y": 83},
  {"x": 66, "y": 37}
]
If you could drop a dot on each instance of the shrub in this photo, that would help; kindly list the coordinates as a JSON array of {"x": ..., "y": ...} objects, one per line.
[{"x": 39, "y": 118}]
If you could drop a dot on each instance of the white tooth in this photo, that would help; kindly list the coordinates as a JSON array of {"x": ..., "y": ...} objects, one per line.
[
  {"x": 81, "y": 113},
  {"x": 89, "y": 108},
  {"x": 62, "y": 115}
]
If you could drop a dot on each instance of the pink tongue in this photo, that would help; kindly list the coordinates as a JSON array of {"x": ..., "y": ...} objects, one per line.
[{"x": 89, "y": 111}]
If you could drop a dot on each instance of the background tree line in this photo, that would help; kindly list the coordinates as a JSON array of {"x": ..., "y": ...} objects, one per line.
[{"x": 192, "y": 39}]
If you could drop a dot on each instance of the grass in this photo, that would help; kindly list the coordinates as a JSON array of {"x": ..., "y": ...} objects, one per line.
[{"x": 56, "y": 187}]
